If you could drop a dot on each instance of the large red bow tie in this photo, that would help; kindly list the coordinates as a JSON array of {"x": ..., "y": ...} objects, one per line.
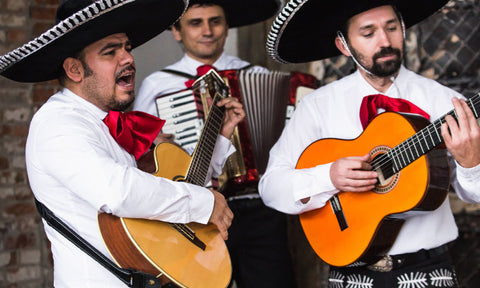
[
  {"x": 201, "y": 70},
  {"x": 368, "y": 108},
  {"x": 134, "y": 131}
]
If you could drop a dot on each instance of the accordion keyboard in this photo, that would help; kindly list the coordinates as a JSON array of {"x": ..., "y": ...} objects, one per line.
[{"x": 179, "y": 110}]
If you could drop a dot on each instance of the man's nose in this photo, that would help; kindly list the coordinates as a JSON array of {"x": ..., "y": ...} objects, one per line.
[
  {"x": 207, "y": 29},
  {"x": 127, "y": 58},
  {"x": 384, "y": 39}
]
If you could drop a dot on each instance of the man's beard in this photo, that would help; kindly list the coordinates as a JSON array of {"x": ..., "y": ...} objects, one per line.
[
  {"x": 381, "y": 69},
  {"x": 121, "y": 105},
  {"x": 117, "y": 105},
  {"x": 111, "y": 102}
]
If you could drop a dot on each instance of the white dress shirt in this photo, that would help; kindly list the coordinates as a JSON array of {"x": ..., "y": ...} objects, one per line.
[
  {"x": 332, "y": 111},
  {"x": 161, "y": 83},
  {"x": 77, "y": 170}
]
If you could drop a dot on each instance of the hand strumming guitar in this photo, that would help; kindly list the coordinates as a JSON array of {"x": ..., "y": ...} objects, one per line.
[
  {"x": 353, "y": 174},
  {"x": 221, "y": 215}
]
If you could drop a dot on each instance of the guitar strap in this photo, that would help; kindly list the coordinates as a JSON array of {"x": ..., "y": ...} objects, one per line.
[
  {"x": 188, "y": 76},
  {"x": 131, "y": 277}
]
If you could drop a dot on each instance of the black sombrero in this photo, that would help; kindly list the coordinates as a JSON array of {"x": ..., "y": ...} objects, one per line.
[
  {"x": 82, "y": 22},
  {"x": 244, "y": 12},
  {"x": 305, "y": 30}
]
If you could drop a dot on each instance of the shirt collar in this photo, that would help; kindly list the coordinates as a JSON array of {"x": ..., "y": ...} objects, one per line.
[
  {"x": 191, "y": 64},
  {"x": 84, "y": 104},
  {"x": 392, "y": 91}
]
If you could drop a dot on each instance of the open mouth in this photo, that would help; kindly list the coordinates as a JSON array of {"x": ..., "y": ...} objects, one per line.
[{"x": 126, "y": 80}]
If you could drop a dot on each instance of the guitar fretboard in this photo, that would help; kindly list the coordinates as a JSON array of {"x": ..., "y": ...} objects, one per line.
[
  {"x": 198, "y": 170},
  {"x": 419, "y": 144}
]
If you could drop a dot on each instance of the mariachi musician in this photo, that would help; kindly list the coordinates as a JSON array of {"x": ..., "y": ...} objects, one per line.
[
  {"x": 258, "y": 236},
  {"x": 82, "y": 149},
  {"x": 372, "y": 33}
]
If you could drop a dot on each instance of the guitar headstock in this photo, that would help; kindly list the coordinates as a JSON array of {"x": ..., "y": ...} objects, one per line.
[{"x": 211, "y": 84}]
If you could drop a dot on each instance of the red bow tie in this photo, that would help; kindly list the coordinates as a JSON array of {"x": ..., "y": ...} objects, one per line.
[
  {"x": 368, "y": 109},
  {"x": 134, "y": 131},
  {"x": 201, "y": 70}
]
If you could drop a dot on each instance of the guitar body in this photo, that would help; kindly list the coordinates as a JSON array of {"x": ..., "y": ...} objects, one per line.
[
  {"x": 159, "y": 249},
  {"x": 372, "y": 229}
]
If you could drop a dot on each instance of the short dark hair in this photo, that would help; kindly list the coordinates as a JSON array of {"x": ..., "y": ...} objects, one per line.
[
  {"x": 346, "y": 25},
  {"x": 202, "y": 3}
]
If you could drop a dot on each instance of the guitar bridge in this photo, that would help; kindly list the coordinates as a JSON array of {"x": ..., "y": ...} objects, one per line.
[
  {"x": 337, "y": 209},
  {"x": 189, "y": 234}
]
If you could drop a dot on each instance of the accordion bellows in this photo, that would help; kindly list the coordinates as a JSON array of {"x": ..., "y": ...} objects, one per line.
[{"x": 269, "y": 99}]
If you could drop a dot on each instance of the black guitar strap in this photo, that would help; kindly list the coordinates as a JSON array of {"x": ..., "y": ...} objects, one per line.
[
  {"x": 188, "y": 76},
  {"x": 131, "y": 277}
]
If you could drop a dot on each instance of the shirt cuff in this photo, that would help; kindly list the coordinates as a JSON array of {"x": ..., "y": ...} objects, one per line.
[
  {"x": 223, "y": 149},
  {"x": 469, "y": 174},
  {"x": 201, "y": 204},
  {"x": 319, "y": 183}
]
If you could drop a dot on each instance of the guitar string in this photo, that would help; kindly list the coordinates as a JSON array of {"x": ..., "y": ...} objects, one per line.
[
  {"x": 412, "y": 139},
  {"x": 198, "y": 164},
  {"x": 203, "y": 137},
  {"x": 202, "y": 167},
  {"x": 384, "y": 159},
  {"x": 401, "y": 149}
]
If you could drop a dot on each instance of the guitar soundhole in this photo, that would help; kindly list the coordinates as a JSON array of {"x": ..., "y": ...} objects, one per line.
[{"x": 387, "y": 180}]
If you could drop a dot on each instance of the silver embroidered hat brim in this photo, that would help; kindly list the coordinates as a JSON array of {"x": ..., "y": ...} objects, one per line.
[
  {"x": 41, "y": 58},
  {"x": 305, "y": 30}
]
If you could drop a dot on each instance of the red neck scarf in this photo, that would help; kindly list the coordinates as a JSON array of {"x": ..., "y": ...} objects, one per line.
[
  {"x": 134, "y": 131},
  {"x": 368, "y": 108},
  {"x": 201, "y": 70}
]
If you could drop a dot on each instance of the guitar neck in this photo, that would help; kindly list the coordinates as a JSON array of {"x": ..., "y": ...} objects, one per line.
[
  {"x": 420, "y": 143},
  {"x": 213, "y": 85}
]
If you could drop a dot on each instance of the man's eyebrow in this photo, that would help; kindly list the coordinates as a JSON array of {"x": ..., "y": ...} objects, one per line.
[
  {"x": 369, "y": 26},
  {"x": 115, "y": 45},
  {"x": 215, "y": 18},
  {"x": 201, "y": 19},
  {"x": 194, "y": 20}
]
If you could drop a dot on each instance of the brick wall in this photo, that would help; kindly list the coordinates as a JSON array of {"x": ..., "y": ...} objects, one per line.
[{"x": 24, "y": 254}]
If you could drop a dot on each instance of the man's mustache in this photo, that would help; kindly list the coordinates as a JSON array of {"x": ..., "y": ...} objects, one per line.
[
  {"x": 387, "y": 51},
  {"x": 129, "y": 68}
]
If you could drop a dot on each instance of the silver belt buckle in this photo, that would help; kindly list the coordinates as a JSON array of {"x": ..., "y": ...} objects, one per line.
[{"x": 383, "y": 265}]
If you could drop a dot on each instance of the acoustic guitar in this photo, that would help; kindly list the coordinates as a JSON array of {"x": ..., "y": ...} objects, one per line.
[
  {"x": 192, "y": 255},
  {"x": 413, "y": 178}
]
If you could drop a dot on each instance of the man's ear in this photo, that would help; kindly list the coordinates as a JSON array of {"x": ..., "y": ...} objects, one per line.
[
  {"x": 341, "y": 45},
  {"x": 176, "y": 34},
  {"x": 73, "y": 69}
]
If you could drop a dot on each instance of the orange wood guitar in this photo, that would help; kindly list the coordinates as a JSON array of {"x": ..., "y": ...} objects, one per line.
[
  {"x": 192, "y": 255},
  {"x": 413, "y": 176}
]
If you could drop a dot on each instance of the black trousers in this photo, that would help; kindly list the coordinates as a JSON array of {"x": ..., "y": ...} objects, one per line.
[
  {"x": 435, "y": 271},
  {"x": 258, "y": 246}
]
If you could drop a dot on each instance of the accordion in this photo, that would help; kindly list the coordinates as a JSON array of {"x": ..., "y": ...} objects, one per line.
[{"x": 269, "y": 99}]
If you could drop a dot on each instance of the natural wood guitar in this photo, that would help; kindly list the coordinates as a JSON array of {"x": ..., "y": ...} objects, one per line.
[
  {"x": 192, "y": 255},
  {"x": 413, "y": 177}
]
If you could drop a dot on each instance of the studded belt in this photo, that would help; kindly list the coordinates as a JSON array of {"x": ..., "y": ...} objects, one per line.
[{"x": 389, "y": 262}]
